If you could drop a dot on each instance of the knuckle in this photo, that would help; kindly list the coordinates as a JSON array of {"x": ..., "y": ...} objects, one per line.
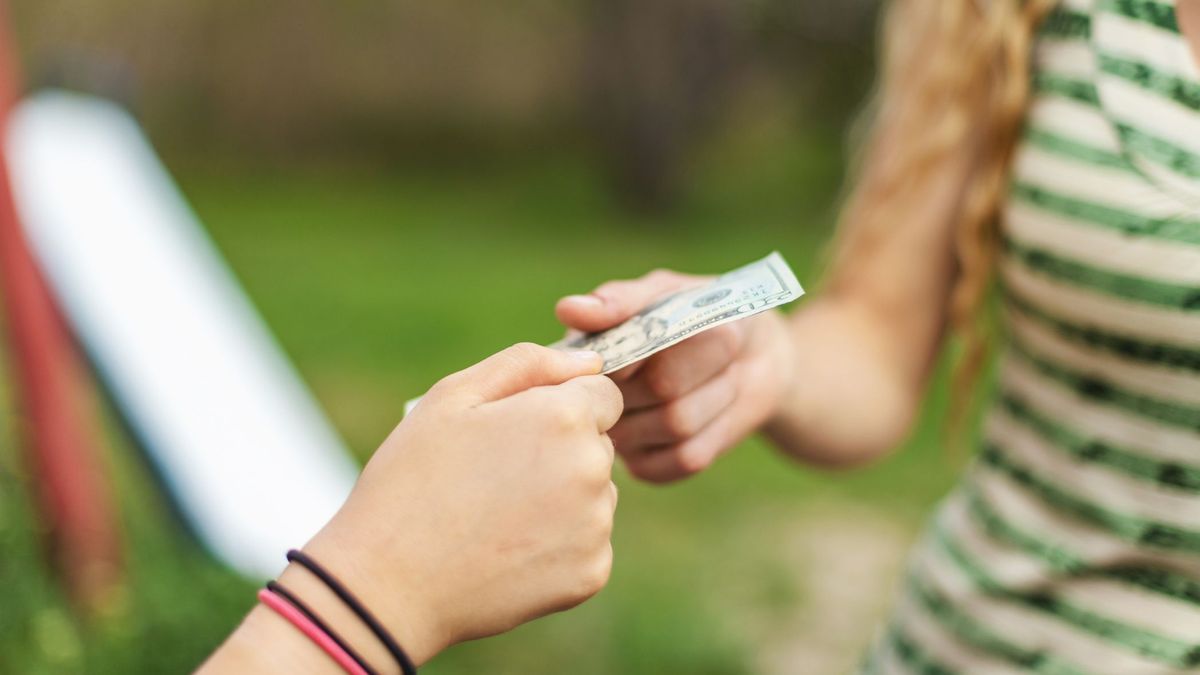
[
  {"x": 730, "y": 338},
  {"x": 445, "y": 385},
  {"x": 523, "y": 352},
  {"x": 626, "y": 449},
  {"x": 725, "y": 391},
  {"x": 611, "y": 391},
  {"x": 570, "y": 407},
  {"x": 662, "y": 382},
  {"x": 690, "y": 463},
  {"x": 679, "y": 421},
  {"x": 660, "y": 274},
  {"x": 595, "y": 577},
  {"x": 602, "y": 468},
  {"x": 643, "y": 472},
  {"x": 608, "y": 452},
  {"x": 567, "y": 415},
  {"x": 603, "y": 519},
  {"x": 659, "y": 478},
  {"x": 587, "y": 586},
  {"x": 636, "y": 469},
  {"x": 594, "y": 467},
  {"x": 611, "y": 289}
]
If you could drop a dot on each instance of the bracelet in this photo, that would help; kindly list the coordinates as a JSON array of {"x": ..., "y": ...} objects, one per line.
[
  {"x": 283, "y": 592},
  {"x": 310, "y": 629},
  {"x": 393, "y": 647}
]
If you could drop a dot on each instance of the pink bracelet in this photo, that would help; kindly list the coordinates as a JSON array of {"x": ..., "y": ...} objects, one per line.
[{"x": 318, "y": 636}]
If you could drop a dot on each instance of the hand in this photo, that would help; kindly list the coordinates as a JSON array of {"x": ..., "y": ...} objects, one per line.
[
  {"x": 490, "y": 505},
  {"x": 688, "y": 404}
]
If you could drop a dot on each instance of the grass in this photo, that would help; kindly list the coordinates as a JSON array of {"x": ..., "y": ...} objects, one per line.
[{"x": 379, "y": 282}]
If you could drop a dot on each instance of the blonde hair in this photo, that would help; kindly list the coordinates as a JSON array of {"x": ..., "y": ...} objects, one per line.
[{"x": 953, "y": 74}]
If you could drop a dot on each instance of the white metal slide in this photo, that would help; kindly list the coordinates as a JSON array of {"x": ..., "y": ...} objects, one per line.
[{"x": 243, "y": 448}]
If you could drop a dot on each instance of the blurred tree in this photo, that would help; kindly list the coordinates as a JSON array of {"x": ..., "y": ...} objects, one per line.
[
  {"x": 821, "y": 49},
  {"x": 645, "y": 83},
  {"x": 658, "y": 72}
]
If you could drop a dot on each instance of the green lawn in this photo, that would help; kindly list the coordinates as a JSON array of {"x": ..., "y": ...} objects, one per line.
[{"x": 379, "y": 282}]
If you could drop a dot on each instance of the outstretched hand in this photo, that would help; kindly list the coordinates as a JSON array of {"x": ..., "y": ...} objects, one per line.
[{"x": 687, "y": 405}]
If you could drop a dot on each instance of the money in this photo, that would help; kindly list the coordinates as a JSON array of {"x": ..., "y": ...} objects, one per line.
[{"x": 744, "y": 292}]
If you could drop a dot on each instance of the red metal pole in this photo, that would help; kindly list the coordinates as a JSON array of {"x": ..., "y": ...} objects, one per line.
[{"x": 52, "y": 385}]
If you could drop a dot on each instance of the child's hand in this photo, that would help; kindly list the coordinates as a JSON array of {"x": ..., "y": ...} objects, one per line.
[
  {"x": 490, "y": 505},
  {"x": 686, "y": 405}
]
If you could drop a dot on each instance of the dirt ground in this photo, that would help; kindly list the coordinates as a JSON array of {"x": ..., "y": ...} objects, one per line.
[{"x": 844, "y": 561}]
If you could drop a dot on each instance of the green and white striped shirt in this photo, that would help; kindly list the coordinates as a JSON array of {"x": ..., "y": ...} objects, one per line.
[{"x": 1072, "y": 545}]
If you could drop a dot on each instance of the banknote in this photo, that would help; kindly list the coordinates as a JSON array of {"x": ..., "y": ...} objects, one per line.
[{"x": 744, "y": 292}]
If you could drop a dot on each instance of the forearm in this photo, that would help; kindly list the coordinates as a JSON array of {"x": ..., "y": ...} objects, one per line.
[{"x": 856, "y": 385}]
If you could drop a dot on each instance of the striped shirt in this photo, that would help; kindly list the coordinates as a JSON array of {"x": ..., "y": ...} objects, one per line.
[{"x": 1072, "y": 544}]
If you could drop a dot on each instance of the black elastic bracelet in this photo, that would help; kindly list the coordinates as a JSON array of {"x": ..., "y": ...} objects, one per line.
[
  {"x": 304, "y": 609},
  {"x": 406, "y": 664}
]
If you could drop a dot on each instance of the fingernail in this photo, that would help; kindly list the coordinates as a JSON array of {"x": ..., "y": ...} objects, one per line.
[
  {"x": 584, "y": 354},
  {"x": 588, "y": 300}
]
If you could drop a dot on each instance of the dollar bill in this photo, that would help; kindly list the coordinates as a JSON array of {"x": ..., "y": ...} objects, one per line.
[{"x": 744, "y": 292}]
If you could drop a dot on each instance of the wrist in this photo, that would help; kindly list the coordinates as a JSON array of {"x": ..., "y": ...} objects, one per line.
[
  {"x": 783, "y": 361},
  {"x": 396, "y": 597},
  {"x": 791, "y": 418},
  {"x": 267, "y": 643}
]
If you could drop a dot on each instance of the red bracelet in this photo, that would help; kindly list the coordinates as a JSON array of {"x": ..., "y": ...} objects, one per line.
[{"x": 306, "y": 626}]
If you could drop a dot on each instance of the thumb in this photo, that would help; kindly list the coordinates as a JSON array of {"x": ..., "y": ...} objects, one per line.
[
  {"x": 615, "y": 301},
  {"x": 520, "y": 367}
]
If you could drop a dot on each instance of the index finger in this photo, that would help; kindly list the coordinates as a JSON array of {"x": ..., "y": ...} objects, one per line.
[
  {"x": 615, "y": 301},
  {"x": 604, "y": 397},
  {"x": 518, "y": 368}
]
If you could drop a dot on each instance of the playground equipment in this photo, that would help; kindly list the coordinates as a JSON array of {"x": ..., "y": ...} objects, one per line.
[
  {"x": 238, "y": 441},
  {"x": 59, "y": 430}
]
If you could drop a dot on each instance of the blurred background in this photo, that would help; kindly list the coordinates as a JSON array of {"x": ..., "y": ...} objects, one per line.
[{"x": 405, "y": 187}]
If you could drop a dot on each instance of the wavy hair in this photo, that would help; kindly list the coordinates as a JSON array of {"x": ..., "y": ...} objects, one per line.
[{"x": 953, "y": 73}]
